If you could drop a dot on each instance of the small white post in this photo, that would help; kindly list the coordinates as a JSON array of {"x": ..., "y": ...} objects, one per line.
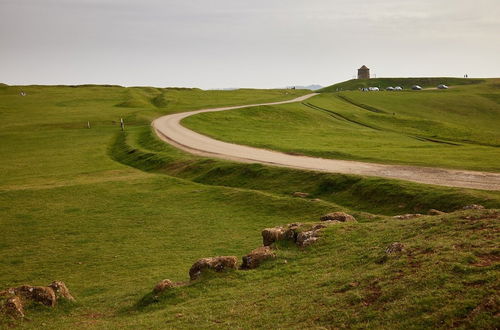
[
  {"x": 88, "y": 124},
  {"x": 122, "y": 125}
]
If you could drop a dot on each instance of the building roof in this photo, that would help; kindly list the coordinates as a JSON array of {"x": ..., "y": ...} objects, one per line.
[{"x": 364, "y": 68}]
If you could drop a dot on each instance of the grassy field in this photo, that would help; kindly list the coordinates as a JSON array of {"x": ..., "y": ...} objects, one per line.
[
  {"x": 111, "y": 213},
  {"x": 455, "y": 128}
]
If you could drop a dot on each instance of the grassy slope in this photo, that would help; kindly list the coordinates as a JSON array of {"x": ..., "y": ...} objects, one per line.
[
  {"x": 110, "y": 231},
  {"x": 456, "y": 128},
  {"x": 445, "y": 278}
]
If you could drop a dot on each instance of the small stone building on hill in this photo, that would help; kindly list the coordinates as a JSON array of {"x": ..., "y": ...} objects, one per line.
[{"x": 363, "y": 72}]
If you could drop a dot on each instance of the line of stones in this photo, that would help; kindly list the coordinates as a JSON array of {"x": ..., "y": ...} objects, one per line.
[{"x": 301, "y": 234}]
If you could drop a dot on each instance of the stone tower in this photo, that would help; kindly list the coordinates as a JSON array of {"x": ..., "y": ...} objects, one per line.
[{"x": 363, "y": 72}]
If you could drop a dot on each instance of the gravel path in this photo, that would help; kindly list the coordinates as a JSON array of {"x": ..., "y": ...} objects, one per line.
[{"x": 171, "y": 131}]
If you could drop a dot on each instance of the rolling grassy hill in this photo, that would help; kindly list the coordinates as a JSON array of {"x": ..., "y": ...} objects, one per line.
[
  {"x": 111, "y": 213},
  {"x": 456, "y": 128}
]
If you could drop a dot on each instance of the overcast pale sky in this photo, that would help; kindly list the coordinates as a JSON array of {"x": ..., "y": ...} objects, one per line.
[{"x": 244, "y": 43}]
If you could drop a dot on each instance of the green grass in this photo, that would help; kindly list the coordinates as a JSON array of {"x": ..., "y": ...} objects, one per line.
[
  {"x": 456, "y": 128},
  {"x": 112, "y": 213}
]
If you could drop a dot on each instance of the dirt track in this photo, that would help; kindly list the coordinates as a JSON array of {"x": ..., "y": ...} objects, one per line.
[{"x": 170, "y": 130}]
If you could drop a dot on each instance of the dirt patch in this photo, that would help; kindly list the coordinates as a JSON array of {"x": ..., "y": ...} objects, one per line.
[
  {"x": 486, "y": 260},
  {"x": 372, "y": 293},
  {"x": 300, "y": 194},
  {"x": 408, "y": 216},
  {"x": 435, "y": 212}
]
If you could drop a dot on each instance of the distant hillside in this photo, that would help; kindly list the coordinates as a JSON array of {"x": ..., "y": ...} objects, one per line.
[
  {"x": 312, "y": 87},
  {"x": 355, "y": 84}
]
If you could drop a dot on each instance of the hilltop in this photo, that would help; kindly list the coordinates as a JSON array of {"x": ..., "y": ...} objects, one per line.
[{"x": 425, "y": 82}]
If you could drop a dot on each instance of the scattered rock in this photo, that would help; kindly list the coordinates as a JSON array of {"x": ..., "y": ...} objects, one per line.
[
  {"x": 435, "y": 212},
  {"x": 395, "y": 248},
  {"x": 287, "y": 232},
  {"x": 271, "y": 235},
  {"x": 14, "y": 307},
  {"x": 292, "y": 231},
  {"x": 306, "y": 238},
  {"x": 61, "y": 290},
  {"x": 16, "y": 298},
  {"x": 338, "y": 216},
  {"x": 215, "y": 263},
  {"x": 163, "y": 285},
  {"x": 42, "y": 294},
  {"x": 407, "y": 216},
  {"x": 254, "y": 258},
  {"x": 316, "y": 200},
  {"x": 473, "y": 207},
  {"x": 300, "y": 194}
]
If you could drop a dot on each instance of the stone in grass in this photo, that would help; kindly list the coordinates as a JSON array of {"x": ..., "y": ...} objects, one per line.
[
  {"x": 300, "y": 194},
  {"x": 61, "y": 290},
  {"x": 435, "y": 212},
  {"x": 307, "y": 238},
  {"x": 338, "y": 216},
  {"x": 42, "y": 294},
  {"x": 473, "y": 207},
  {"x": 217, "y": 264},
  {"x": 395, "y": 247},
  {"x": 14, "y": 307},
  {"x": 271, "y": 235},
  {"x": 280, "y": 233},
  {"x": 163, "y": 285},
  {"x": 292, "y": 230},
  {"x": 254, "y": 258},
  {"x": 407, "y": 216}
]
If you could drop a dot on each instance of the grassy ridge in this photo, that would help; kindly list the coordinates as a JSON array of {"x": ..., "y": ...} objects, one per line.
[
  {"x": 456, "y": 128},
  {"x": 426, "y": 82}
]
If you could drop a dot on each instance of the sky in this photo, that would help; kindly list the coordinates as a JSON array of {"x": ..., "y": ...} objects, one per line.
[{"x": 244, "y": 43}]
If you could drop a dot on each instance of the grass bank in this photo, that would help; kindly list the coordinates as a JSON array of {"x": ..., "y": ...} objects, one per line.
[{"x": 141, "y": 149}]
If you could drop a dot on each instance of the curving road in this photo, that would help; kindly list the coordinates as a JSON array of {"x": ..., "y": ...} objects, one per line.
[{"x": 170, "y": 130}]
